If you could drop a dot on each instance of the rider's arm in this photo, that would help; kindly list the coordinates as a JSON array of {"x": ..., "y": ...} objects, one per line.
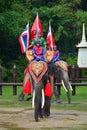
[
  {"x": 33, "y": 42},
  {"x": 43, "y": 42}
]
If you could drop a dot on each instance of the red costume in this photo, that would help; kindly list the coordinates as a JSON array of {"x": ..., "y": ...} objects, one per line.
[
  {"x": 39, "y": 52},
  {"x": 48, "y": 90},
  {"x": 27, "y": 87}
]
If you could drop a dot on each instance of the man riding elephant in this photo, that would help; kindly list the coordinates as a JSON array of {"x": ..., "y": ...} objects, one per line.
[
  {"x": 38, "y": 52},
  {"x": 40, "y": 38}
]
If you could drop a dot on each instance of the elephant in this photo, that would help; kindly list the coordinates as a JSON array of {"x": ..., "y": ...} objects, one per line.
[
  {"x": 38, "y": 75},
  {"x": 62, "y": 75}
]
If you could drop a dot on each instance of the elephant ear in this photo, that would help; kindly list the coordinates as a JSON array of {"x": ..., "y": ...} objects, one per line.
[
  {"x": 37, "y": 70},
  {"x": 29, "y": 55},
  {"x": 62, "y": 64},
  {"x": 49, "y": 55}
]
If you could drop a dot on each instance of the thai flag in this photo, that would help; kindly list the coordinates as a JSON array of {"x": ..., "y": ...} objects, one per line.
[
  {"x": 50, "y": 38},
  {"x": 24, "y": 39},
  {"x": 36, "y": 27}
]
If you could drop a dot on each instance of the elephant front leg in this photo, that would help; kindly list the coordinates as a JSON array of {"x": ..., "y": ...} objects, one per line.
[
  {"x": 65, "y": 83},
  {"x": 47, "y": 105},
  {"x": 57, "y": 95},
  {"x": 21, "y": 96}
]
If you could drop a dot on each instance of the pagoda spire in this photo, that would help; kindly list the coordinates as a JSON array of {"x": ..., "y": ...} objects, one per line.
[{"x": 83, "y": 42}]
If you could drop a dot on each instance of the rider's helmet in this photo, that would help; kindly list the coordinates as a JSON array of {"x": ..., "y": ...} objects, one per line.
[{"x": 38, "y": 42}]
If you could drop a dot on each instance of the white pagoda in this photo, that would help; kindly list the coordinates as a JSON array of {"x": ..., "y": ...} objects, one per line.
[{"x": 82, "y": 52}]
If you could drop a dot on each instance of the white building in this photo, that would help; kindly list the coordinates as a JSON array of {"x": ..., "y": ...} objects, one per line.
[{"x": 82, "y": 51}]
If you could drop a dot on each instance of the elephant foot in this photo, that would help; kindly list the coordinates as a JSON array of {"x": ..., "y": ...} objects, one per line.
[
  {"x": 41, "y": 115},
  {"x": 46, "y": 112},
  {"x": 58, "y": 100},
  {"x": 29, "y": 98},
  {"x": 46, "y": 115},
  {"x": 36, "y": 120},
  {"x": 21, "y": 97},
  {"x": 36, "y": 116}
]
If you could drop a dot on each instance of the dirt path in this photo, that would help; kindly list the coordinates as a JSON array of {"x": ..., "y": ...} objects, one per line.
[{"x": 23, "y": 119}]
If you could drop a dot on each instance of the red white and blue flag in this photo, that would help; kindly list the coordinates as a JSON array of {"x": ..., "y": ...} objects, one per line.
[
  {"x": 24, "y": 39},
  {"x": 50, "y": 38},
  {"x": 36, "y": 27}
]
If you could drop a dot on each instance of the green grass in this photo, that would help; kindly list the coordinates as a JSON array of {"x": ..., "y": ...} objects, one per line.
[
  {"x": 78, "y": 102},
  {"x": 9, "y": 100},
  {"x": 81, "y": 94},
  {"x": 7, "y": 93}
]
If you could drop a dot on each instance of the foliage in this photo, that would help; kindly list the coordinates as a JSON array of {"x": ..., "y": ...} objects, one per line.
[{"x": 72, "y": 61}]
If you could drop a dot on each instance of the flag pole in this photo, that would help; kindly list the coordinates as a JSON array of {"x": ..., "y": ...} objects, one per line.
[
  {"x": 37, "y": 27},
  {"x": 51, "y": 35},
  {"x": 28, "y": 35}
]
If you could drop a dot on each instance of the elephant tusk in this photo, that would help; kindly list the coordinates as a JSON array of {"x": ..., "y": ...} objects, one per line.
[
  {"x": 33, "y": 98},
  {"x": 64, "y": 86},
  {"x": 70, "y": 86},
  {"x": 43, "y": 99}
]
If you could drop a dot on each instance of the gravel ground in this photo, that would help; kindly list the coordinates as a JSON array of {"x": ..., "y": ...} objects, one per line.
[{"x": 23, "y": 119}]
